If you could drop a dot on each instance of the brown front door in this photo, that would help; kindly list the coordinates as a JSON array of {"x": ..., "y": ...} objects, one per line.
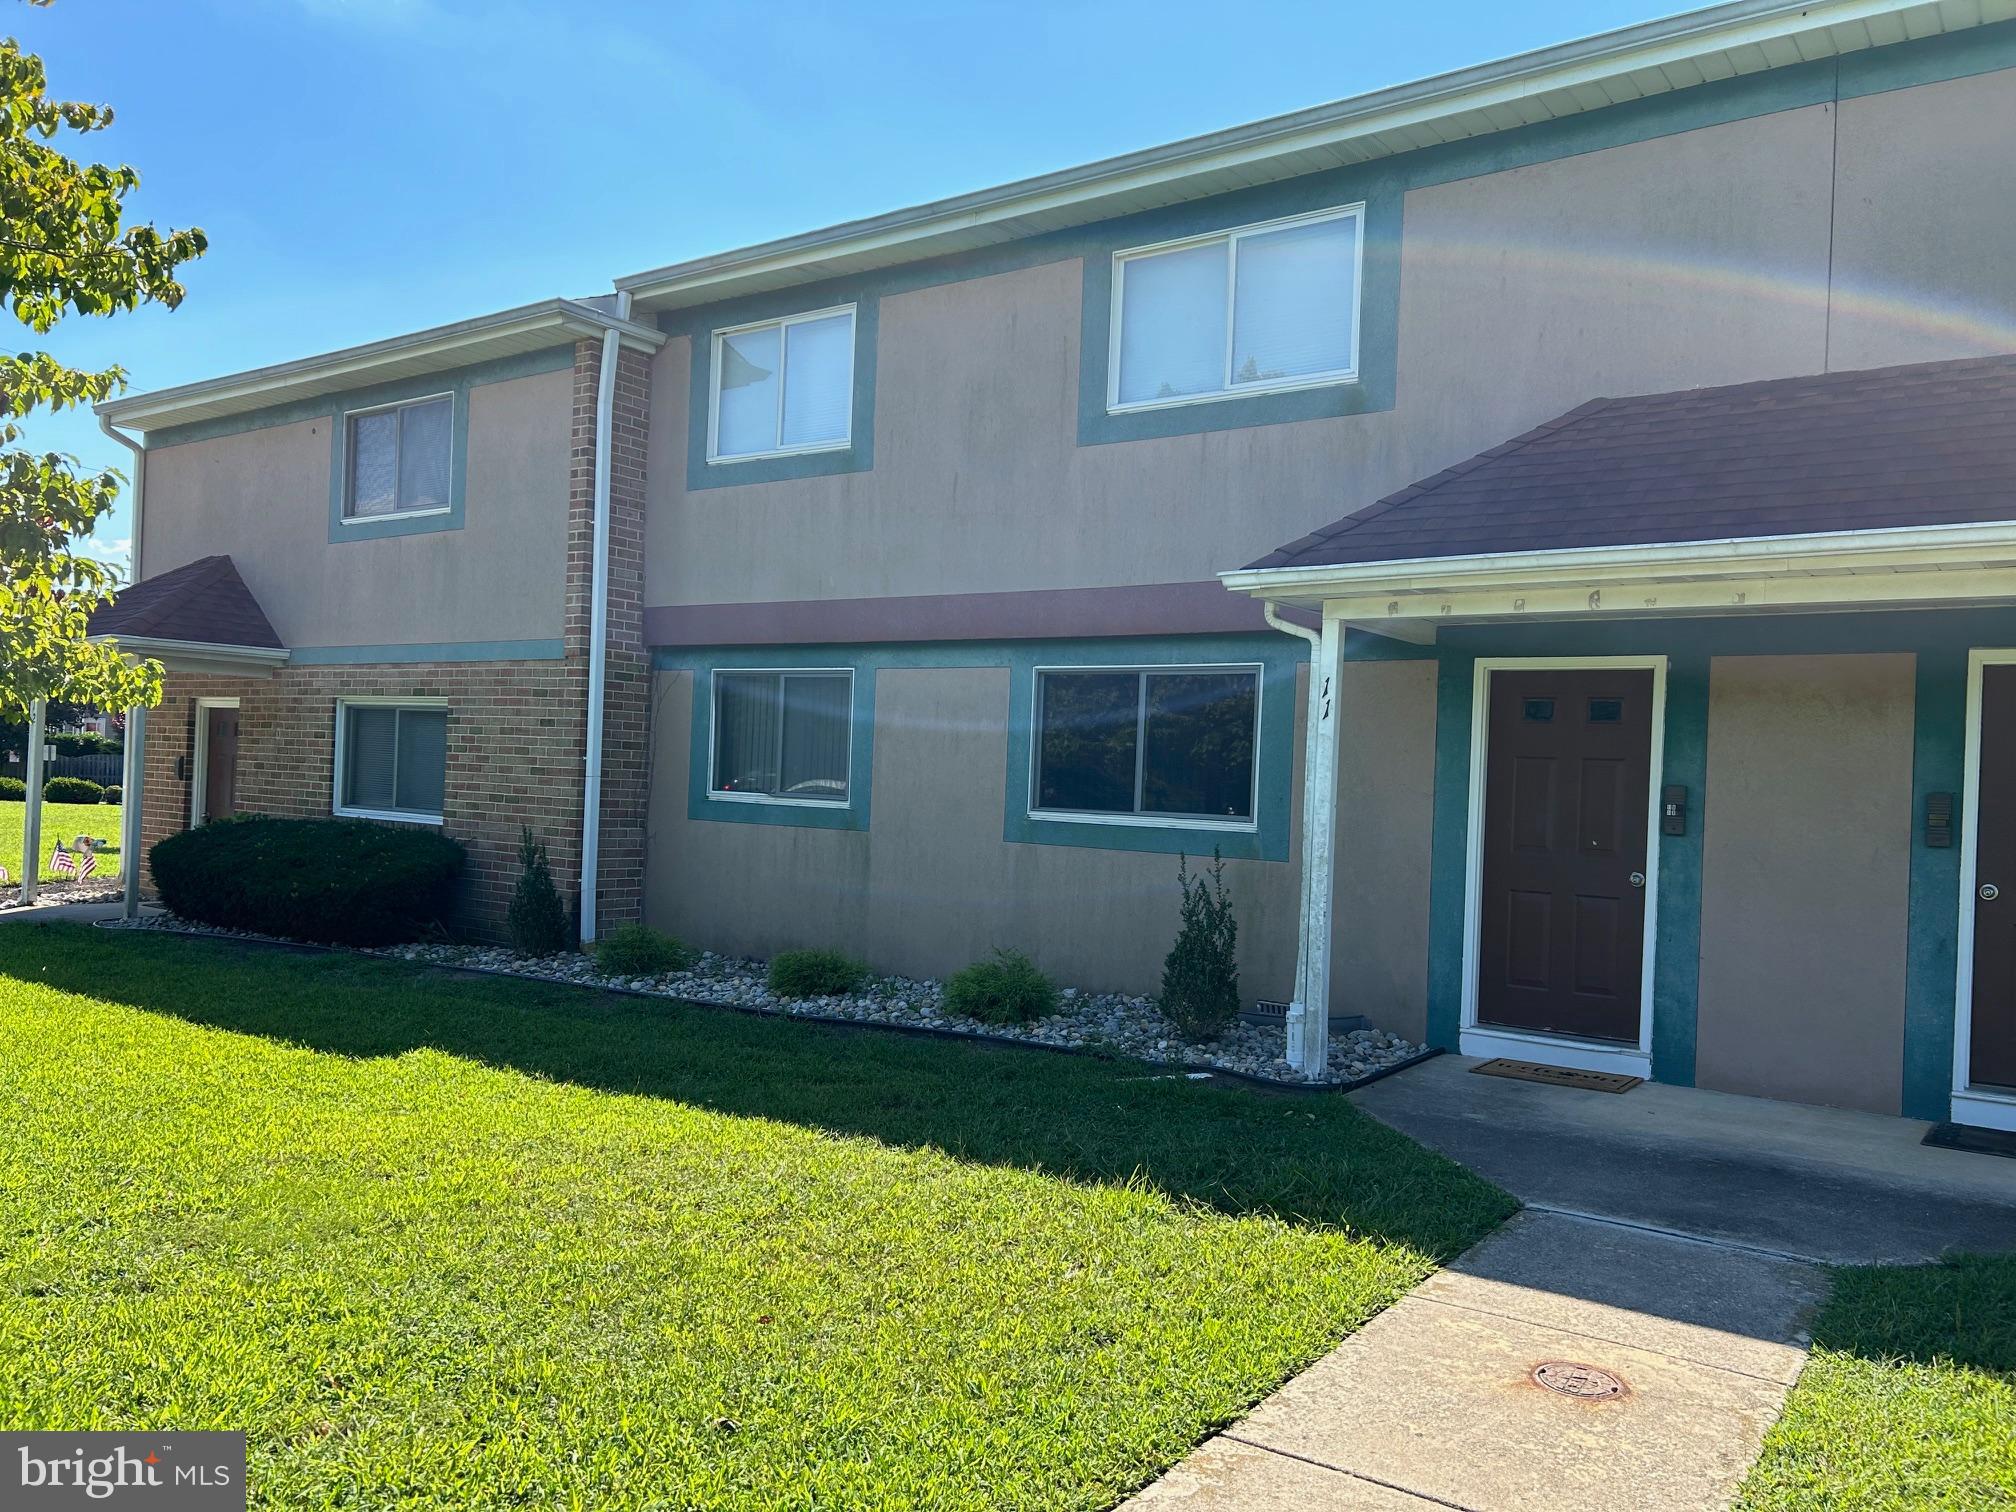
[
  {"x": 1991, "y": 1056},
  {"x": 1562, "y": 942},
  {"x": 220, "y": 763}
]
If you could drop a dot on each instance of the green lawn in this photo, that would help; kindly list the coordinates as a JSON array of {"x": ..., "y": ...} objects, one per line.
[
  {"x": 1909, "y": 1400},
  {"x": 68, "y": 820},
  {"x": 441, "y": 1241}
]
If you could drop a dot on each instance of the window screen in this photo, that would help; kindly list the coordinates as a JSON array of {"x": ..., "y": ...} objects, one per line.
[{"x": 1153, "y": 742}]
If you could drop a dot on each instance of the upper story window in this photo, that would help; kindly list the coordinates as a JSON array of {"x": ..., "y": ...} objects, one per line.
[
  {"x": 391, "y": 760},
  {"x": 399, "y": 459},
  {"x": 783, "y": 736},
  {"x": 1260, "y": 308},
  {"x": 1147, "y": 744},
  {"x": 783, "y": 387}
]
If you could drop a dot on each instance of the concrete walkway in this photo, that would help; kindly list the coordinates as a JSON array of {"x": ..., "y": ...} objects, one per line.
[{"x": 1686, "y": 1272}]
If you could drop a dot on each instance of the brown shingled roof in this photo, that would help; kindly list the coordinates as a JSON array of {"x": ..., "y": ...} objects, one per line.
[
  {"x": 205, "y": 603},
  {"x": 1932, "y": 443}
]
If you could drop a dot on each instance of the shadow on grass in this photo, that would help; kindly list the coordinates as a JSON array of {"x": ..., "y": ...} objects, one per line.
[
  {"x": 1960, "y": 1311},
  {"x": 1307, "y": 1159}
]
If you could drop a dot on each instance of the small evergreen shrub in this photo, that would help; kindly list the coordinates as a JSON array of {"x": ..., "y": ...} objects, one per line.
[
  {"x": 1005, "y": 990},
  {"x": 13, "y": 790},
  {"x": 71, "y": 790},
  {"x": 815, "y": 973},
  {"x": 639, "y": 950},
  {"x": 112, "y": 793},
  {"x": 538, "y": 918},
  {"x": 1200, "y": 977},
  {"x": 333, "y": 881}
]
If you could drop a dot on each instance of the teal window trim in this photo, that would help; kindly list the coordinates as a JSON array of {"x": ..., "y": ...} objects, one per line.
[
  {"x": 858, "y": 455},
  {"x": 344, "y": 529},
  {"x": 1377, "y": 199}
]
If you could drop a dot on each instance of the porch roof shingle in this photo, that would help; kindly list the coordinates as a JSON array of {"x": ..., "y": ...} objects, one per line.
[
  {"x": 204, "y": 603},
  {"x": 1931, "y": 443}
]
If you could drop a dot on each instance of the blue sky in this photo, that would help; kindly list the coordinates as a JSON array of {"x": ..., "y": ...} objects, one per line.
[{"x": 365, "y": 167}]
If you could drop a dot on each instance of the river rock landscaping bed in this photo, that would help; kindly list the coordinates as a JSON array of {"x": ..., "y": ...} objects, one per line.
[{"x": 1097, "y": 1022}]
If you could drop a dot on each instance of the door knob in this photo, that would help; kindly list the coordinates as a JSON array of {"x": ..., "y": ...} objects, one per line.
[
  {"x": 1990, "y": 892},
  {"x": 1637, "y": 879}
]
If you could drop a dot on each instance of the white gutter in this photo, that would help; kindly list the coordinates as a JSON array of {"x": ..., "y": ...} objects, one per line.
[
  {"x": 598, "y": 618},
  {"x": 1297, "y": 1009},
  {"x": 139, "y": 450}
]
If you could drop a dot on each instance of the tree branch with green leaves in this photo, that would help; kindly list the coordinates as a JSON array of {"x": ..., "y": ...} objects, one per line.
[{"x": 66, "y": 250}]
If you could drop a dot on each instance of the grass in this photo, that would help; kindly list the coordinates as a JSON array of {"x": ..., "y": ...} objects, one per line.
[
  {"x": 1909, "y": 1400},
  {"x": 67, "y": 820},
  {"x": 436, "y": 1240}
]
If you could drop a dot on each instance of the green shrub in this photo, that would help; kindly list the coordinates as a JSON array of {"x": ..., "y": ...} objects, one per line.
[
  {"x": 71, "y": 790},
  {"x": 815, "y": 973},
  {"x": 13, "y": 790},
  {"x": 112, "y": 793},
  {"x": 640, "y": 950},
  {"x": 537, "y": 919},
  {"x": 1006, "y": 990},
  {"x": 1200, "y": 977},
  {"x": 334, "y": 881},
  {"x": 83, "y": 743}
]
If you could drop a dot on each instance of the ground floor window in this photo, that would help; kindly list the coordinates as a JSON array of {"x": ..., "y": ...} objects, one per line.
[
  {"x": 391, "y": 759},
  {"x": 783, "y": 736},
  {"x": 1147, "y": 742}
]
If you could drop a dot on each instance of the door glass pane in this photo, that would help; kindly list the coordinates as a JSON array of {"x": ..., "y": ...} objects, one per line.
[
  {"x": 1198, "y": 758},
  {"x": 746, "y": 420},
  {"x": 423, "y": 454},
  {"x": 1292, "y": 310},
  {"x": 818, "y": 380},
  {"x": 374, "y": 464},
  {"x": 423, "y": 760},
  {"x": 1089, "y": 725},
  {"x": 815, "y": 737},
  {"x": 370, "y": 759},
  {"x": 1172, "y": 324},
  {"x": 746, "y": 732}
]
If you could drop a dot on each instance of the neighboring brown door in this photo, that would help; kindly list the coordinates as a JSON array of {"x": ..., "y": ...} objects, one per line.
[
  {"x": 220, "y": 764},
  {"x": 1991, "y": 1059},
  {"x": 1563, "y": 937}
]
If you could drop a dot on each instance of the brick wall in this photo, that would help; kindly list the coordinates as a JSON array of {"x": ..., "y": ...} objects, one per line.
[{"x": 516, "y": 729}]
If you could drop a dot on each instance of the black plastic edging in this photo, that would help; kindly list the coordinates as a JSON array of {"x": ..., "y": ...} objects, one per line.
[{"x": 920, "y": 1031}]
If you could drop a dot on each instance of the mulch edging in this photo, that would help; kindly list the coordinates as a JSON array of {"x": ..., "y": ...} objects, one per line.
[{"x": 920, "y": 1031}]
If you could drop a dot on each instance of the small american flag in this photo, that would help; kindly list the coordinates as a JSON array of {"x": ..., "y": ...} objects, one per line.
[{"x": 78, "y": 863}]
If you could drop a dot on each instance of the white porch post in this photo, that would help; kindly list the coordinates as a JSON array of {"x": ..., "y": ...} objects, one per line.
[
  {"x": 130, "y": 794},
  {"x": 31, "y": 820},
  {"x": 1309, "y": 1017}
]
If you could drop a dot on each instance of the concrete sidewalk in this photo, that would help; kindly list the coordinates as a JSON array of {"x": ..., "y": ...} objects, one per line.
[{"x": 1671, "y": 1242}]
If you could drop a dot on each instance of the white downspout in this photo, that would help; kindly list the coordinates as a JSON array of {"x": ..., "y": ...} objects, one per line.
[
  {"x": 133, "y": 769},
  {"x": 1308, "y": 1029},
  {"x": 598, "y": 621},
  {"x": 31, "y": 816},
  {"x": 139, "y": 450}
]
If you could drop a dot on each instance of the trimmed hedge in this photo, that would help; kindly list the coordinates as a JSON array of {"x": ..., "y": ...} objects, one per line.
[
  {"x": 1005, "y": 990},
  {"x": 333, "y": 881},
  {"x": 71, "y": 790},
  {"x": 815, "y": 973},
  {"x": 83, "y": 743},
  {"x": 13, "y": 790},
  {"x": 112, "y": 793}
]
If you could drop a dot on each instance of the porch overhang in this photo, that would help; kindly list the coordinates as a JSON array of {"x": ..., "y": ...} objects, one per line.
[
  {"x": 200, "y": 656},
  {"x": 1946, "y": 565}
]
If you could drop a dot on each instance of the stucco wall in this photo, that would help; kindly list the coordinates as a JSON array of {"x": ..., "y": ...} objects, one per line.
[
  {"x": 1700, "y": 257},
  {"x": 1805, "y": 872},
  {"x": 262, "y": 497},
  {"x": 932, "y": 885}
]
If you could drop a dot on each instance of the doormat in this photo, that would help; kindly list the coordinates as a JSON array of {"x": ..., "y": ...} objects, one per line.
[
  {"x": 1976, "y": 1141},
  {"x": 1559, "y": 1076}
]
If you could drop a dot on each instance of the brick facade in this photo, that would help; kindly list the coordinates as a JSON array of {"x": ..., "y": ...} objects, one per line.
[{"x": 516, "y": 729}]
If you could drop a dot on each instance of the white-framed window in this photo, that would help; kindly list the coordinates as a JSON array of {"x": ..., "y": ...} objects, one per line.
[
  {"x": 780, "y": 387},
  {"x": 398, "y": 458},
  {"x": 1146, "y": 745},
  {"x": 391, "y": 759},
  {"x": 1256, "y": 309},
  {"x": 783, "y": 736}
]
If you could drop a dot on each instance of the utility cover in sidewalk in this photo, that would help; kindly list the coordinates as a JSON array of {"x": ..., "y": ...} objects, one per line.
[
  {"x": 1558, "y": 1076},
  {"x": 1584, "y": 1381}
]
